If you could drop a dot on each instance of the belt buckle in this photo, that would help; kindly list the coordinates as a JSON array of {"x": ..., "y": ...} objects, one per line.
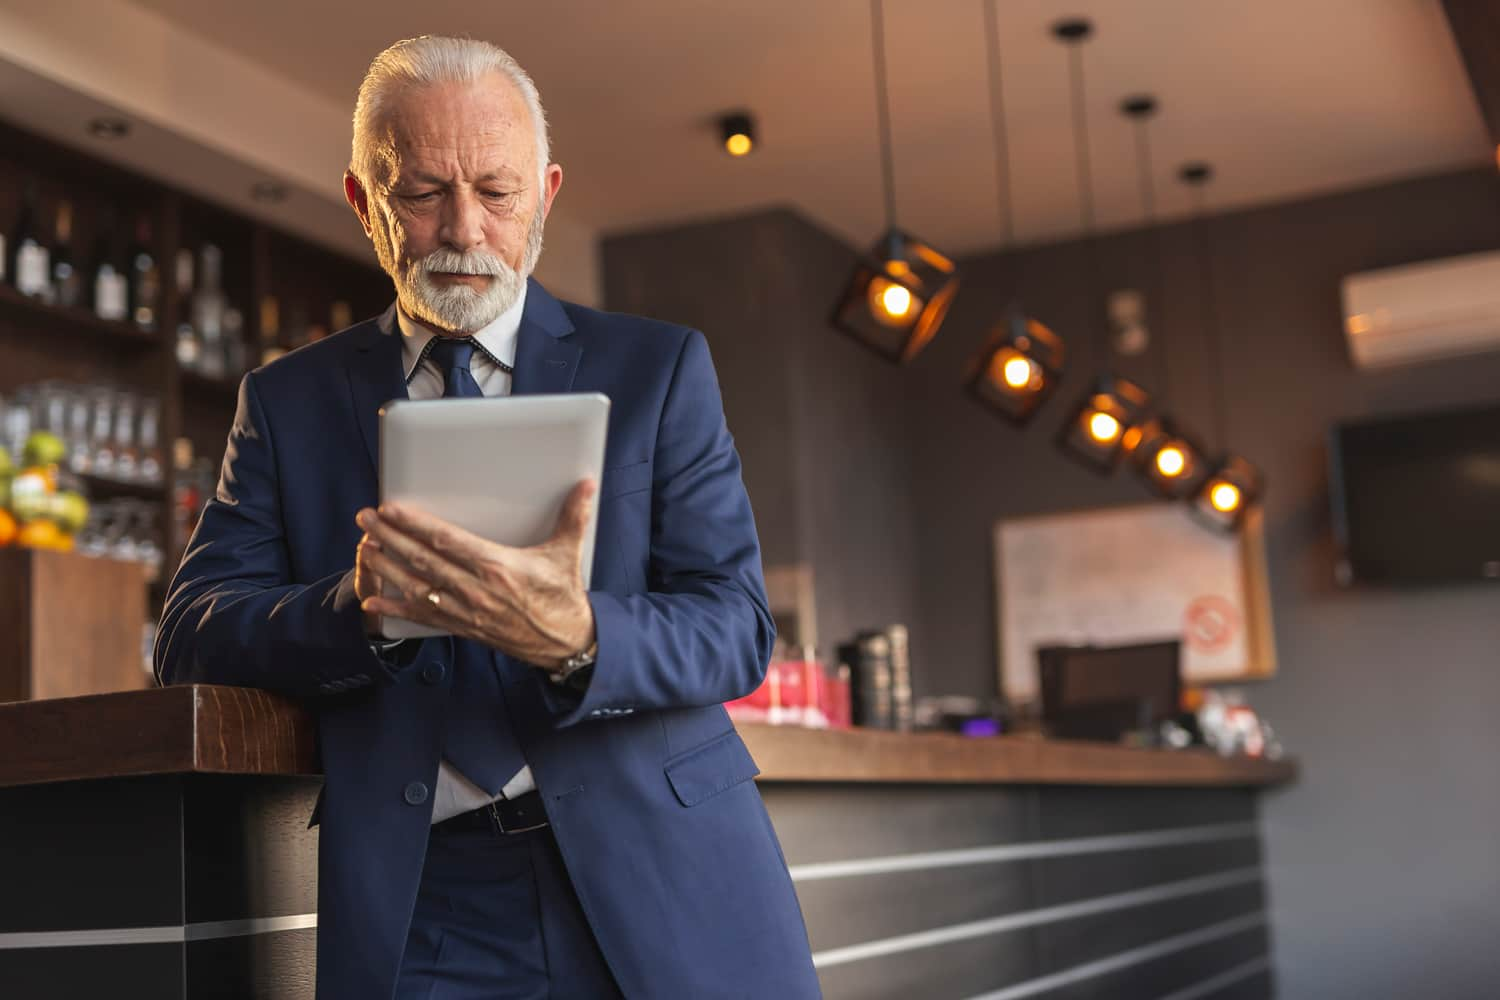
[{"x": 499, "y": 824}]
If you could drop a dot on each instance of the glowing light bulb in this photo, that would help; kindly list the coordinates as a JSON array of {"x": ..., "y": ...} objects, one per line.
[
  {"x": 1018, "y": 373},
  {"x": 738, "y": 144},
  {"x": 891, "y": 304},
  {"x": 1104, "y": 428},
  {"x": 1170, "y": 461},
  {"x": 1225, "y": 497}
]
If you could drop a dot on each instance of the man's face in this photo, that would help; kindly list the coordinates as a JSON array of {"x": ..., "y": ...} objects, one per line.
[{"x": 457, "y": 217}]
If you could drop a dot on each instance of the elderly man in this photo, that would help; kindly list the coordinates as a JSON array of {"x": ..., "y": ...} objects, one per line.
[{"x": 549, "y": 800}]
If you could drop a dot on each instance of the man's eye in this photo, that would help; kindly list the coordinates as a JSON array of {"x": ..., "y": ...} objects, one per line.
[
  {"x": 424, "y": 196},
  {"x": 497, "y": 195}
]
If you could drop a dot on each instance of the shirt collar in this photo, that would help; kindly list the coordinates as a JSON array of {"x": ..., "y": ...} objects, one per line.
[{"x": 497, "y": 340}]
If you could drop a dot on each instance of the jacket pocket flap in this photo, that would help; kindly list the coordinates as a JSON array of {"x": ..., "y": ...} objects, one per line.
[
  {"x": 710, "y": 769},
  {"x": 621, "y": 479}
]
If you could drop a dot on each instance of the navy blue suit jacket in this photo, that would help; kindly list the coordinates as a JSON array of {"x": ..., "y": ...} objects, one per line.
[{"x": 644, "y": 779}]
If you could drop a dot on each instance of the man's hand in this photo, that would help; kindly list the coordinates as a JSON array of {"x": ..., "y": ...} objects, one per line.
[{"x": 528, "y": 603}]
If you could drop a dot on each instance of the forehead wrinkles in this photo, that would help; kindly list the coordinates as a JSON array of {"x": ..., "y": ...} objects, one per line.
[{"x": 471, "y": 129}]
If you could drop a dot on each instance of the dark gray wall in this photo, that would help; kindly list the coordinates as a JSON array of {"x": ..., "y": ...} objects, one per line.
[
  {"x": 1385, "y": 857},
  {"x": 821, "y": 426}
]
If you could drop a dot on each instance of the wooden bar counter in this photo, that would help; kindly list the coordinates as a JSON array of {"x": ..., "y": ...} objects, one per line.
[{"x": 158, "y": 839}]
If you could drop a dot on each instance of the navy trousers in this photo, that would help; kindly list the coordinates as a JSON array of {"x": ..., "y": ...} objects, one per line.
[{"x": 497, "y": 919}]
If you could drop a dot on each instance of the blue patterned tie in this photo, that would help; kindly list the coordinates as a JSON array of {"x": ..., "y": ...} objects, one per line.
[
  {"x": 479, "y": 741},
  {"x": 452, "y": 356}
]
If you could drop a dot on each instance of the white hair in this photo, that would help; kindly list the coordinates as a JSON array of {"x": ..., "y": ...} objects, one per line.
[{"x": 431, "y": 59}]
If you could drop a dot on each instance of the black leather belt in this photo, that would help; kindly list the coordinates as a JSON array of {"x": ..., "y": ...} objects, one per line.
[{"x": 516, "y": 815}]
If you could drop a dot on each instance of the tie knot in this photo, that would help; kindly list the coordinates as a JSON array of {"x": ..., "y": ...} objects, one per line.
[{"x": 449, "y": 353}]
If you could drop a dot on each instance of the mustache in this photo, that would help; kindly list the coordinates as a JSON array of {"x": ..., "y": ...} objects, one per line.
[{"x": 447, "y": 261}]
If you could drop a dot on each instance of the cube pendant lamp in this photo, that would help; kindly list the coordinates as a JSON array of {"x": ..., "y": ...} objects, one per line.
[
  {"x": 899, "y": 293},
  {"x": 1019, "y": 368},
  {"x": 1104, "y": 419},
  {"x": 1168, "y": 460},
  {"x": 1227, "y": 494},
  {"x": 1021, "y": 363},
  {"x": 1233, "y": 484},
  {"x": 1095, "y": 431},
  {"x": 897, "y": 297}
]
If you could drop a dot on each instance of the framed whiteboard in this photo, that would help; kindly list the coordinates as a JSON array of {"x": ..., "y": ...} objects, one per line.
[{"x": 1132, "y": 574}]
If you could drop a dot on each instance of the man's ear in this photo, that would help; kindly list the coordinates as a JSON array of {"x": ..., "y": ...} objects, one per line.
[
  {"x": 359, "y": 200},
  {"x": 551, "y": 181}
]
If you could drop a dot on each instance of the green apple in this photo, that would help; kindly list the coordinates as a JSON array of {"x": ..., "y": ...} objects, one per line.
[
  {"x": 43, "y": 448},
  {"x": 70, "y": 510}
]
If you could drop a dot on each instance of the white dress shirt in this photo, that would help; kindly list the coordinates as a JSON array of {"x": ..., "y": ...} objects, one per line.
[{"x": 424, "y": 380}]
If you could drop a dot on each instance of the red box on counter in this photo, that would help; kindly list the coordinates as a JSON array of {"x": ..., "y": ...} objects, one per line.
[{"x": 796, "y": 693}]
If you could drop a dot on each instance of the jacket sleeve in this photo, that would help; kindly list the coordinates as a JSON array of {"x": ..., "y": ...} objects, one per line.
[
  {"x": 702, "y": 635},
  {"x": 233, "y": 614}
]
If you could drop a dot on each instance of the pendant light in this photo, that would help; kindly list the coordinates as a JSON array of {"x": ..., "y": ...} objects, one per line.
[
  {"x": 1095, "y": 431},
  {"x": 1234, "y": 484},
  {"x": 1022, "y": 360},
  {"x": 1163, "y": 454},
  {"x": 900, "y": 292}
]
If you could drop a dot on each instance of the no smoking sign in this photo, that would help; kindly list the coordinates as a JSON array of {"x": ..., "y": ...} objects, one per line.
[{"x": 1210, "y": 624}]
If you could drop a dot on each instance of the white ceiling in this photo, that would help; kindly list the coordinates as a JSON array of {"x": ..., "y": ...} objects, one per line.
[{"x": 1285, "y": 97}]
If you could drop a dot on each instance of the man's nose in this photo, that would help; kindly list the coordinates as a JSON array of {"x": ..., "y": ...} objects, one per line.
[{"x": 463, "y": 222}]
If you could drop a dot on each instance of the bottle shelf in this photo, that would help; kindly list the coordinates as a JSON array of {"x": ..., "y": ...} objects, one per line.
[
  {"x": 103, "y": 486},
  {"x": 21, "y": 310},
  {"x": 211, "y": 387}
]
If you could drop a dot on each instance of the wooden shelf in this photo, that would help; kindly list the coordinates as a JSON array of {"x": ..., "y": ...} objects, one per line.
[
  {"x": 23, "y": 310},
  {"x": 102, "y": 486},
  {"x": 202, "y": 728},
  {"x": 217, "y": 388}
]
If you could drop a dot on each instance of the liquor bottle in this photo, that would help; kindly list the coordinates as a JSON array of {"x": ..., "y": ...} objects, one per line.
[
  {"x": 110, "y": 289},
  {"x": 186, "y": 498},
  {"x": 234, "y": 343},
  {"x": 145, "y": 277},
  {"x": 208, "y": 311},
  {"x": 270, "y": 329},
  {"x": 30, "y": 260},
  {"x": 188, "y": 346},
  {"x": 150, "y": 442},
  {"x": 67, "y": 278}
]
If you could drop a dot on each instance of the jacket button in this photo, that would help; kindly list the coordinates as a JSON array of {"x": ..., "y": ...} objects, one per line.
[
  {"x": 433, "y": 673},
  {"x": 416, "y": 793}
]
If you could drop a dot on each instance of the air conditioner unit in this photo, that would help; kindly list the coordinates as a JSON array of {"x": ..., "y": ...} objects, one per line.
[{"x": 1421, "y": 312}]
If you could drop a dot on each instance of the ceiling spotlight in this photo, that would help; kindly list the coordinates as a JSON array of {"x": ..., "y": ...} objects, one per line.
[
  {"x": 108, "y": 127},
  {"x": 1020, "y": 366},
  {"x": 737, "y": 130},
  {"x": 268, "y": 192}
]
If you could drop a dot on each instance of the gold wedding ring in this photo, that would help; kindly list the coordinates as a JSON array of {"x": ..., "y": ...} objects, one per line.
[{"x": 435, "y": 598}]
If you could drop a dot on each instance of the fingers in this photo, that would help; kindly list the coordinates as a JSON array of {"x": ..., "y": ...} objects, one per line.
[
  {"x": 437, "y": 534},
  {"x": 366, "y": 580},
  {"x": 412, "y": 597},
  {"x": 420, "y": 559}
]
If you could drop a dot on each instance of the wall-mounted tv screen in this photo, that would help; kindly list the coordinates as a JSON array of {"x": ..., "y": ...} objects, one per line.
[{"x": 1416, "y": 499}]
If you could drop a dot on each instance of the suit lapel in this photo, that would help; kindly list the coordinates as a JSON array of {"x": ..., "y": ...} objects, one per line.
[
  {"x": 376, "y": 378},
  {"x": 546, "y": 361}
]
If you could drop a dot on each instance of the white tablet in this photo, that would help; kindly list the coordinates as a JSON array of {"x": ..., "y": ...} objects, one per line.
[{"x": 500, "y": 467}]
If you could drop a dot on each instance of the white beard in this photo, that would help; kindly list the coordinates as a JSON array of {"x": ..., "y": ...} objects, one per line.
[{"x": 458, "y": 307}]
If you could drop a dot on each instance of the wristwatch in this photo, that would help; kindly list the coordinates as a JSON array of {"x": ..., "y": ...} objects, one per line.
[{"x": 574, "y": 668}]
